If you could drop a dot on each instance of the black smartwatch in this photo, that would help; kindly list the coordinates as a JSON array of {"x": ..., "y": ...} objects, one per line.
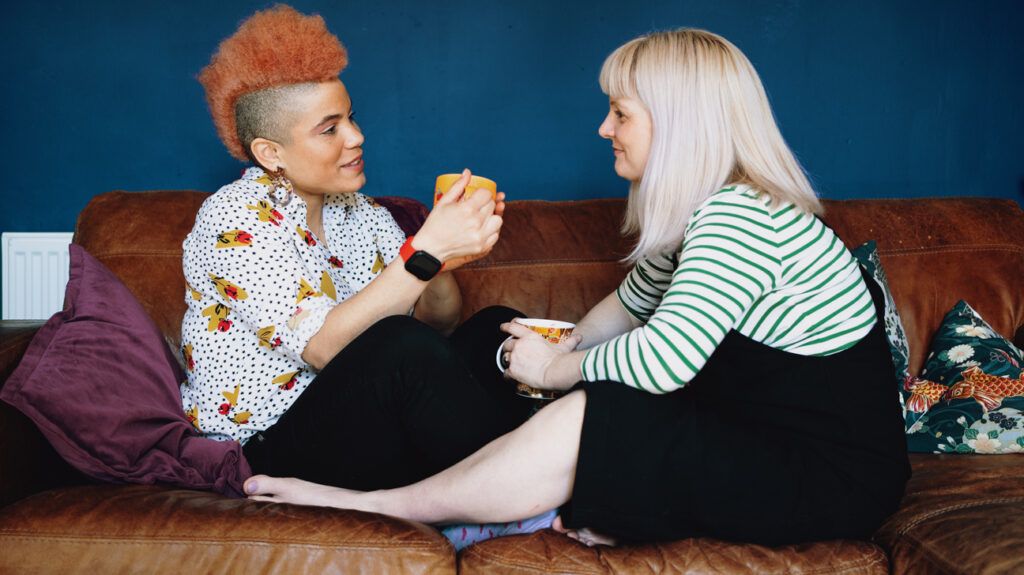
[{"x": 419, "y": 263}]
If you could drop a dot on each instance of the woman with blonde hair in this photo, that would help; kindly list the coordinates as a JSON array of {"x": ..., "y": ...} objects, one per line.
[{"x": 736, "y": 385}]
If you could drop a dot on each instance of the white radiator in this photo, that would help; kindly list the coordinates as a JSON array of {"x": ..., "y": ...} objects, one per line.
[{"x": 35, "y": 273}]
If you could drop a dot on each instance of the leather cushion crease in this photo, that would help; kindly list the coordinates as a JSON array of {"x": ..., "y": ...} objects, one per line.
[{"x": 960, "y": 514}]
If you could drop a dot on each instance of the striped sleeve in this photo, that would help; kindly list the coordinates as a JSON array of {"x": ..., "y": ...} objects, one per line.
[
  {"x": 646, "y": 284},
  {"x": 728, "y": 261}
]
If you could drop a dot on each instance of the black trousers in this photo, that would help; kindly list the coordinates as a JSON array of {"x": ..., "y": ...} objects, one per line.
[{"x": 398, "y": 404}]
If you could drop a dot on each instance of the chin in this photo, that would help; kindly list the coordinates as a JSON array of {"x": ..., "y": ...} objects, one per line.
[
  {"x": 625, "y": 175},
  {"x": 350, "y": 185}
]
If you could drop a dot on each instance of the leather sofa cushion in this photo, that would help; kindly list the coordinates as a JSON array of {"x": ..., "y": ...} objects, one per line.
[
  {"x": 961, "y": 514},
  {"x": 144, "y": 529},
  {"x": 551, "y": 552}
]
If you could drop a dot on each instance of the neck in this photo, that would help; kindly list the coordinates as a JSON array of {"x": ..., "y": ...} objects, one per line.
[
  {"x": 314, "y": 206},
  {"x": 312, "y": 200}
]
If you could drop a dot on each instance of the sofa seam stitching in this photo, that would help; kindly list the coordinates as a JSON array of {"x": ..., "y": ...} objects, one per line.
[
  {"x": 944, "y": 510},
  {"x": 950, "y": 249},
  {"x": 844, "y": 567}
]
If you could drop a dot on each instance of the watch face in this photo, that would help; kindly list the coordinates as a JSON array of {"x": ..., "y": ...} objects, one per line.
[{"x": 423, "y": 265}]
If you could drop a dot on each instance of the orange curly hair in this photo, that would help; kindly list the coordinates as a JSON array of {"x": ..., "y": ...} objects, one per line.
[{"x": 274, "y": 47}]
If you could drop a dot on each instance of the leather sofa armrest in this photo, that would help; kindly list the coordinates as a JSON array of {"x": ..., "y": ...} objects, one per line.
[
  {"x": 15, "y": 335},
  {"x": 28, "y": 461}
]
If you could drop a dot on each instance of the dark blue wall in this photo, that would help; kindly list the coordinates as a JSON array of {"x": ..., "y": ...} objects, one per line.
[{"x": 878, "y": 98}]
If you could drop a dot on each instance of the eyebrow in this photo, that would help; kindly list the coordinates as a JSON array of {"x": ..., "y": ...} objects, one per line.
[{"x": 326, "y": 120}]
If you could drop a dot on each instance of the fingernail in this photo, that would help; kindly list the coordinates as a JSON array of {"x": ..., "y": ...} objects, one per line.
[{"x": 250, "y": 487}]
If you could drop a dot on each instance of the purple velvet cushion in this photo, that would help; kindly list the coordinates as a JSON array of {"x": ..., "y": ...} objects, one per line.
[{"x": 102, "y": 386}]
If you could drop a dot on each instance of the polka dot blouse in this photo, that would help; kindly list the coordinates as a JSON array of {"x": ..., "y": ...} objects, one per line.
[{"x": 260, "y": 284}]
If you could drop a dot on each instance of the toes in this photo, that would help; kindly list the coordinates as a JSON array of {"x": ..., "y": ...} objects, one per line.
[
  {"x": 252, "y": 485},
  {"x": 265, "y": 498},
  {"x": 558, "y": 526},
  {"x": 263, "y": 485}
]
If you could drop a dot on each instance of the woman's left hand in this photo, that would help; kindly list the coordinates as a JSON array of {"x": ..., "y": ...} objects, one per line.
[
  {"x": 531, "y": 357},
  {"x": 456, "y": 263}
]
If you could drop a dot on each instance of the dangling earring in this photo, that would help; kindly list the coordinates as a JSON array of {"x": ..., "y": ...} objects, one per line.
[{"x": 278, "y": 181}]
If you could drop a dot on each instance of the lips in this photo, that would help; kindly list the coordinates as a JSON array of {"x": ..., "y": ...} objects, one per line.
[{"x": 354, "y": 163}]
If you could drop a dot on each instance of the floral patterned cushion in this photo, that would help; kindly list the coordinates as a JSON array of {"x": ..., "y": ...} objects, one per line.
[
  {"x": 970, "y": 395},
  {"x": 867, "y": 256}
]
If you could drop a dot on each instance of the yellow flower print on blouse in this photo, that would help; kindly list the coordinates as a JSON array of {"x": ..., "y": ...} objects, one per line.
[
  {"x": 266, "y": 212},
  {"x": 286, "y": 381},
  {"x": 227, "y": 289},
  {"x": 378, "y": 264},
  {"x": 266, "y": 336},
  {"x": 306, "y": 236},
  {"x": 241, "y": 418},
  {"x": 186, "y": 354},
  {"x": 193, "y": 293},
  {"x": 305, "y": 291},
  {"x": 327, "y": 286},
  {"x": 266, "y": 180},
  {"x": 193, "y": 417},
  {"x": 234, "y": 239},
  {"x": 218, "y": 314},
  {"x": 232, "y": 396}
]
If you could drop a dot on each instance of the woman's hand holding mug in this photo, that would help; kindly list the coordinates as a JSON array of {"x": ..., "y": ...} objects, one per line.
[
  {"x": 528, "y": 354},
  {"x": 458, "y": 232}
]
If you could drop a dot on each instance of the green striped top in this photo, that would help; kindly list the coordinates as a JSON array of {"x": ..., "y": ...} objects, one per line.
[{"x": 773, "y": 273}]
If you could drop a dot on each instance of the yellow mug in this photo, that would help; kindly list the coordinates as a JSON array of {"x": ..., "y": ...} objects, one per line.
[
  {"x": 552, "y": 330},
  {"x": 445, "y": 181}
]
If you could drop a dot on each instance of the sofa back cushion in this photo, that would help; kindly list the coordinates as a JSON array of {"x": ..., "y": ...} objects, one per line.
[
  {"x": 557, "y": 259},
  {"x": 554, "y": 260},
  {"x": 937, "y": 251}
]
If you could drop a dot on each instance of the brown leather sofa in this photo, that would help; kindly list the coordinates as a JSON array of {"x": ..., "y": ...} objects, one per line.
[{"x": 961, "y": 514}]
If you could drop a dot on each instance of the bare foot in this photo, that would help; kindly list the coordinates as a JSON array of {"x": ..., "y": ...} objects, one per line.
[
  {"x": 299, "y": 492},
  {"x": 585, "y": 536}
]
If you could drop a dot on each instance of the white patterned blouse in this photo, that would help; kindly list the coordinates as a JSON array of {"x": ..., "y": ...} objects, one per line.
[{"x": 260, "y": 284}]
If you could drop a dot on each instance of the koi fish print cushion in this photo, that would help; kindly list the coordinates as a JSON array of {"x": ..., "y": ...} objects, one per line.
[{"x": 969, "y": 398}]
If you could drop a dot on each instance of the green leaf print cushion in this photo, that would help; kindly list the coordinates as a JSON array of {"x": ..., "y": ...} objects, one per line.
[
  {"x": 970, "y": 392},
  {"x": 867, "y": 257}
]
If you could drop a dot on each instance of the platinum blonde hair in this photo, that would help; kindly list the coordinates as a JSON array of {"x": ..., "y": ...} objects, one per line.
[{"x": 712, "y": 126}]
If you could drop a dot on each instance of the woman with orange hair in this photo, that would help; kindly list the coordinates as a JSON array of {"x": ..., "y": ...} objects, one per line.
[{"x": 313, "y": 329}]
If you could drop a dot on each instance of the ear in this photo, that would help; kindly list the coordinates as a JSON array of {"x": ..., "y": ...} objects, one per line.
[{"x": 267, "y": 153}]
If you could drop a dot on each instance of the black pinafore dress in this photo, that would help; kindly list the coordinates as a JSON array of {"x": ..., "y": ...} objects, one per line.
[{"x": 762, "y": 446}]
